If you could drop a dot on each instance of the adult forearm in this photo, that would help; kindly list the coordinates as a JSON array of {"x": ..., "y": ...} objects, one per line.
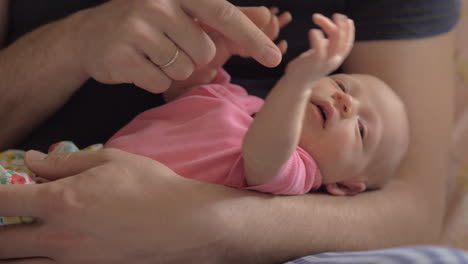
[
  {"x": 38, "y": 74},
  {"x": 285, "y": 227}
]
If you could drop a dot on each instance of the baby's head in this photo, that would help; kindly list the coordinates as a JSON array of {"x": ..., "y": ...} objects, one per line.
[{"x": 356, "y": 129}]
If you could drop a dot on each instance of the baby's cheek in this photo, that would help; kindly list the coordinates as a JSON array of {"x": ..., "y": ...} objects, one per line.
[{"x": 343, "y": 162}]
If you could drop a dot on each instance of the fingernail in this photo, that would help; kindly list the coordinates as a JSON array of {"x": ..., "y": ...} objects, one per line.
[
  {"x": 272, "y": 56},
  {"x": 35, "y": 155}
]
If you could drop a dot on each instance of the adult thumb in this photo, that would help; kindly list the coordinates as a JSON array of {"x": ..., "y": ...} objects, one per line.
[{"x": 57, "y": 166}]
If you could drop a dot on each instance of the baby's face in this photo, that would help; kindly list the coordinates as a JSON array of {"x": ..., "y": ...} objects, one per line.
[{"x": 355, "y": 127}]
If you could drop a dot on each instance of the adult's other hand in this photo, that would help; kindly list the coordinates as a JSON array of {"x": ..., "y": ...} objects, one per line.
[{"x": 116, "y": 202}]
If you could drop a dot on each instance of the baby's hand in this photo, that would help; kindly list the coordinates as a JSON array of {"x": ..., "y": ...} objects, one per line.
[{"x": 325, "y": 54}]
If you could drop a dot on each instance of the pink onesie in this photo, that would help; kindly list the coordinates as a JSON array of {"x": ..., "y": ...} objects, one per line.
[{"x": 199, "y": 135}]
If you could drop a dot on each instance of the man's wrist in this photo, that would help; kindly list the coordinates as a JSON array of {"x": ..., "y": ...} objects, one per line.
[{"x": 68, "y": 39}]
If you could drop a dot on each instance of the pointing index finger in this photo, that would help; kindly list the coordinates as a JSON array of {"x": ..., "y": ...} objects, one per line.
[{"x": 233, "y": 24}]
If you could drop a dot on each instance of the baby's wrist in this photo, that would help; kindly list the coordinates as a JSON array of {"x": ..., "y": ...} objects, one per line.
[{"x": 300, "y": 87}]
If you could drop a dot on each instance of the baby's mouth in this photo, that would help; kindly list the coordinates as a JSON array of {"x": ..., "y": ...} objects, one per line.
[
  {"x": 325, "y": 110},
  {"x": 324, "y": 115}
]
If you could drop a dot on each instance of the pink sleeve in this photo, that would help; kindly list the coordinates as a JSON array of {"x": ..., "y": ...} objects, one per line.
[
  {"x": 222, "y": 79},
  {"x": 299, "y": 176},
  {"x": 220, "y": 87}
]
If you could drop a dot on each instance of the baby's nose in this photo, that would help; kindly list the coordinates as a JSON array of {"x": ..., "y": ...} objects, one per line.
[{"x": 343, "y": 103}]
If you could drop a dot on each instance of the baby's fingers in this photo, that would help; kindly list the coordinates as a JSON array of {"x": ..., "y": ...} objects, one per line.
[
  {"x": 284, "y": 19},
  {"x": 341, "y": 44},
  {"x": 283, "y": 46},
  {"x": 336, "y": 30},
  {"x": 350, "y": 34},
  {"x": 276, "y": 23},
  {"x": 330, "y": 28},
  {"x": 318, "y": 42}
]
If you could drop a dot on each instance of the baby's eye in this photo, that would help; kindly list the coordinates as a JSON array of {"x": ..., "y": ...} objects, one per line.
[
  {"x": 361, "y": 129},
  {"x": 341, "y": 86}
]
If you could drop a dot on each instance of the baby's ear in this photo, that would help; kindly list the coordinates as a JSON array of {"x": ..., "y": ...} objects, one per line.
[{"x": 351, "y": 187}]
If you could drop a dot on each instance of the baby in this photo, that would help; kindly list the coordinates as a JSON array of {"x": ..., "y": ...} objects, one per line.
[{"x": 347, "y": 132}]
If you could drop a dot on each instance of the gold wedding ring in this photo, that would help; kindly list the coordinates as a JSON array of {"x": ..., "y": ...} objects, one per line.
[{"x": 172, "y": 60}]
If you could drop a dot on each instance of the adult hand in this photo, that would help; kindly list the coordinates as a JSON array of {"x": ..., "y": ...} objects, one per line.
[
  {"x": 269, "y": 21},
  {"x": 152, "y": 42},
  {"x": 119, "y": 208}
]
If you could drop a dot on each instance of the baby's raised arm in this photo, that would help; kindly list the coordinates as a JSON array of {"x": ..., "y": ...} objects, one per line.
[{"x": 274, "y": 135}]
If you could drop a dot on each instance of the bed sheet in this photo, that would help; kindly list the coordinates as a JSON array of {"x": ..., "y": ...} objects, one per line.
[{"x": 400, "y": 255}]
